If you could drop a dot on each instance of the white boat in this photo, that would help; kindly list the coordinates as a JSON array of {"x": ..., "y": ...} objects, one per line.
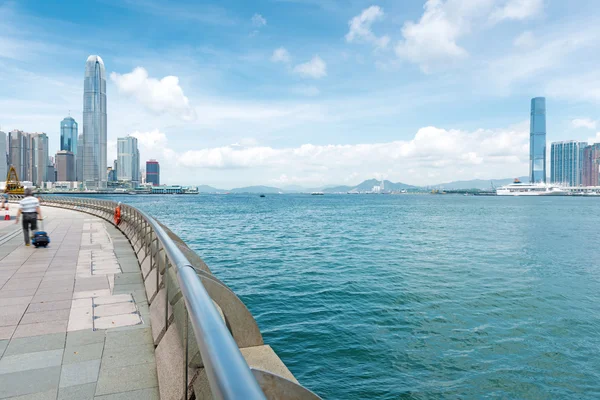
[{"x": 531, "y": 189}]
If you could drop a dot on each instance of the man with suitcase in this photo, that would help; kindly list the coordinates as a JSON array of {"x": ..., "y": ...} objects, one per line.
[{"x": 29, "y": 207}]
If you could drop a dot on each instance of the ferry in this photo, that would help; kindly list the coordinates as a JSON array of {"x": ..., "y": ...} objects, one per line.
[{"x": 517, "y": 188}]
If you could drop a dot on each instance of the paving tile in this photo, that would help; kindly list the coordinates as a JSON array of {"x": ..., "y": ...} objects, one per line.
[
  {"x": 91, "y": 293},
  {"x": 124, "y": 379},
  {"x": 6, "y": 331},
  {"x": 114, "y": 309},
  {"x": 11, "y": 319},
  {"x": 129, "y": 278},
  {"x": 50, "y": 306},
  {"x": 79, "y": 303},
  {"x": 125, "y": 356},
  {"x": 79, "y": 392},
  {"x": 143, "y": 394},
  {"x": 46, "y": 395},
  {"x": 28, "y": 382},
  {"x": 55, "y": 289},
  {"x": 42, "y": 298},
  {"x": 41, "y": 328},
  {"x": 80, "y": 318},
  {"x": 31, "y": 344},
  {"x": 15, "y": 300},
  {"x": 4, "y": 294},
  {"x": 22, "y": 283},
  {"x": 116, "y": 321},
  {"x": 82, "y": 338},
  {"x": 83, "y": 353},
  {"x": 27, "y": 361},
  {"x": 43, "y": 316},
  {"x": 119, "y": 298},
  {"x": 79, "y": 373},
  {"x": 128, "y": 338},
  {"x": 3, "y": 345}
]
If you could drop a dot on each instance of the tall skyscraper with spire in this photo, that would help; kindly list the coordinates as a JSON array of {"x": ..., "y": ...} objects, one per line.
[
  {"x": 94, "y": 124},
  {"x": 68, "y": 135}
]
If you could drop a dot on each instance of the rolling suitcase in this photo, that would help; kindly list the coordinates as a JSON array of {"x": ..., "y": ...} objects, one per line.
[{"x": 40, "y": 238}]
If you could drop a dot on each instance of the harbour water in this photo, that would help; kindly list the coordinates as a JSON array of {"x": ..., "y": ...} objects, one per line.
[{"x": 406, "y": 296}]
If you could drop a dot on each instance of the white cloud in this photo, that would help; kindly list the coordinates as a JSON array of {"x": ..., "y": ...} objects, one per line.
[
  {"x": 432, "y": 154},
  {"x": 315, "y": 68},
  {"x": 258, "y": 21},
  {"x": 525, "y": 40},
  {"x": 584, "y": 123},
  {"x": 151, "y": 140},
  {"x": 360, "y": 28},
  {"x": 281, "y": 55},
  {"x": 517, "y": 10},
  {"x": 433, "y": 39},
  {"x": 159, "y": 96}
]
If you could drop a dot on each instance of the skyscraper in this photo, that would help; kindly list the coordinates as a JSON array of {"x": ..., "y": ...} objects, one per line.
[
  {"x": 65, "y": 166},
  {"x": 153, "y": 172},
  {"x": 3, "y": 157},
  {"x": 537, "y": 141},
  {"x": 39, "y": 159},
  {"x": 128, "y": 160},
  {"x": 590, "y": 174},
  {"x": 68, "y": 135},
  {"x": 79, "y": 159},
  {"x": 566, "y": 162},
  {"x": 94, "y": 124},
  {"x": 18, "y": 152}
]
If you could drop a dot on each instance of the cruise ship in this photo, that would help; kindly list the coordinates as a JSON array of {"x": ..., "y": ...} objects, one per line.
[{"x": 517, "y": 188}]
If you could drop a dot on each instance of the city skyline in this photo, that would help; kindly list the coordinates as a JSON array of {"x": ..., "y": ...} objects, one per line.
[{"x": 358, "y": 95}]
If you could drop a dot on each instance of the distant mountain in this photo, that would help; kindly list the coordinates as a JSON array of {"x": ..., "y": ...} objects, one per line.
[
  {"x": 256, "y": 189},
  {"x": 482, "y": 184},
  {"x": 368, "y": 185},
  {"x": 209, "y": 189}
]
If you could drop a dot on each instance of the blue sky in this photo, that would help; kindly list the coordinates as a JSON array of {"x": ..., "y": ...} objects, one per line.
[{"x": 310, "y": 92}]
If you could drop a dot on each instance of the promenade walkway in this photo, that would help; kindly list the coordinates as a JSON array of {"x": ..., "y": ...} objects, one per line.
[{"x": 74, "y": 319}]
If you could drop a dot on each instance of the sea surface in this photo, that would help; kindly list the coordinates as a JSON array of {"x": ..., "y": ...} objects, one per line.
[{"x": 411, "y": 296}]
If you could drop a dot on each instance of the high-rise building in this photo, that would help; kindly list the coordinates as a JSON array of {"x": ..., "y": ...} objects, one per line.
[
  {"x": 65, "y": 166},
  {"x": 153, "y": 172},
  {"x": 39, "y": 159},
  {"x": 566, "y": 162},
  {"x": 128, "y": 160},
  {"x": 537, "y": 141},
  {"x": 79, "y": 159},
  {"x": 68, "y": 135},
  {"x": 3, "y": 156},
  {"x": 18, "y": 150},
  {"x": 590, "y": 171},
  {"x": 94, "y": 124}
]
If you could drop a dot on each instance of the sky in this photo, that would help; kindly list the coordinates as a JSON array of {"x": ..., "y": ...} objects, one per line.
[{"x": 310, "y": 92}]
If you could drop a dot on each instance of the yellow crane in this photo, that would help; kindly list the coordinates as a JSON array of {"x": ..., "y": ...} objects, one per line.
[{"x": 13, "y": 185}]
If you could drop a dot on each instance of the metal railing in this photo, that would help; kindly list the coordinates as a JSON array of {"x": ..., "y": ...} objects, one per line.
[{"x": 228, "y": 374}]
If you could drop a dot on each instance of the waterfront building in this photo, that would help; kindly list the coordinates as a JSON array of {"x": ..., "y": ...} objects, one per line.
[
  {"x": 94, "y": 124},
  {"x": 537, "y": 141},
  {"x": 3, "y": 156},
  {"x": 79, "y": 159},
  {"x": 39, "y": 159},
  {"x": 128, "y": 160},
  {"x": 18, "y": 152},
  {"x": 65, "y": 166},
  {"x": 590, "y": 171},
  {"x": 153, "y": 172},
  {"x": 68, "y": 135},
  {"x": 566, "y": 162},
  {"x": 50, "y": 173}
]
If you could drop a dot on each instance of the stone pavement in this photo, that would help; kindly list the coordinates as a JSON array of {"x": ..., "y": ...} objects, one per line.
[{"x": 74, "y": 320}]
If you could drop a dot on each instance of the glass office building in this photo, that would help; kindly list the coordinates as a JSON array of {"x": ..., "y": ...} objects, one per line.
[
  {"x": 153, "y": 172},
  {"x": 566, "y": 162},
  {"x": 128, "y": 160},
  {"x": 68, "y": 135},
  {"x": 94, "y": 124},
  {"x": 537, "y": 141}
]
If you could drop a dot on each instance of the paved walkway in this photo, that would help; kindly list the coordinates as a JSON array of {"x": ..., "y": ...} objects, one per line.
[{"x": 74, "y": 320}]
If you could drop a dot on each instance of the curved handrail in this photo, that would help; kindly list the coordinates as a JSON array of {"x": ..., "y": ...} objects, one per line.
[{"x": 229, "y": 375}]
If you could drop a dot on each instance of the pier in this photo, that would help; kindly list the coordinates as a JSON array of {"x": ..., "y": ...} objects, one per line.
[{"x": 124, "y": 311}]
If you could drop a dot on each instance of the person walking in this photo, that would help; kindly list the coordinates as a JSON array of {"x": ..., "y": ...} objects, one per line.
[
  {"x": 29, "y": 207},
  {"x": 4, "y": 201}
]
